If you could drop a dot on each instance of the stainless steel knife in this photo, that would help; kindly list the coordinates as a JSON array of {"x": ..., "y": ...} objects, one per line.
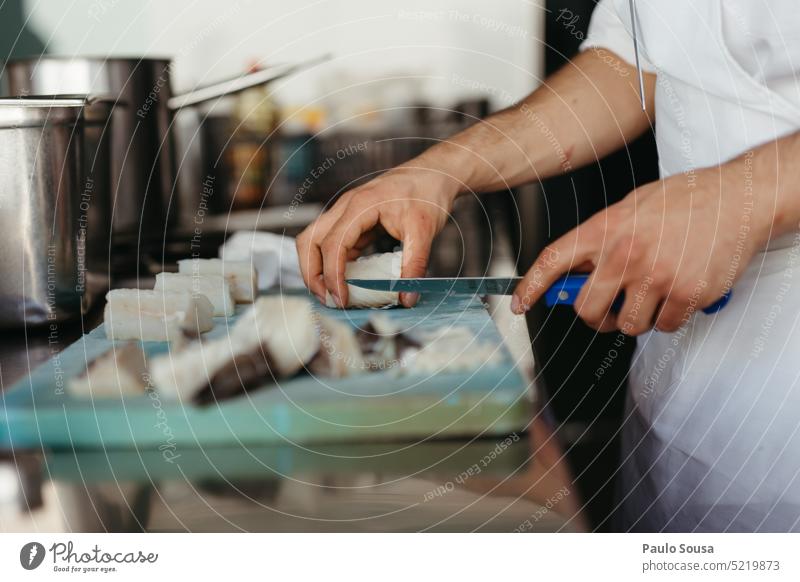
[
  {"x": 563, "y": 292},
  {"x": 454, "y": 285}
]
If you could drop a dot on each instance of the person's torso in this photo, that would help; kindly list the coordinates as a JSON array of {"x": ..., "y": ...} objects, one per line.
[{"x": 724, "y": 390}]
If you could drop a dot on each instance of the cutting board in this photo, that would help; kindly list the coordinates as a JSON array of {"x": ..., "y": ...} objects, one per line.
[{"x": 39, "y": 412}]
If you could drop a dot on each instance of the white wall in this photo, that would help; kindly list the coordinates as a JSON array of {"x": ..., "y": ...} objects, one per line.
[{"x": 458, "y": 48}]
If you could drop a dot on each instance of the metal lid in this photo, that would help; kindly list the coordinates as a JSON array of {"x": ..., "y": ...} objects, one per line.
[
  {"x": 36, "y": 111},
  {"x": 94, "y": 59},
  {"x": 97, "y": 107}
]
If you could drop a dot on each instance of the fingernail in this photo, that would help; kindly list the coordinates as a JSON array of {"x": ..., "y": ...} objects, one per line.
[
  {"x": 515, "y": 304},
  {"x": 409, "y": 299},
  {"x": 337, "y": 301}
]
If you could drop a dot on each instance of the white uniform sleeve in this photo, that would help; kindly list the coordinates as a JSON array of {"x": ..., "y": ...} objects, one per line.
[{"x": 610, "y": 29}]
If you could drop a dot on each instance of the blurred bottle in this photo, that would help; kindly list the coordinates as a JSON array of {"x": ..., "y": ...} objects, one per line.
[
  {"x": 254, "y": 118},
  {"x": 295, "y": 154}
]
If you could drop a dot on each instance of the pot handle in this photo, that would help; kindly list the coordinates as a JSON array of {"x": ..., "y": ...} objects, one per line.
[{"x": 239, "y": 84}]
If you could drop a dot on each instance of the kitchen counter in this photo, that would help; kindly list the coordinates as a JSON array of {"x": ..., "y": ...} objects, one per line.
[
  {"x": 516, "y": 483},
  {"x": 437, "y": 486}
]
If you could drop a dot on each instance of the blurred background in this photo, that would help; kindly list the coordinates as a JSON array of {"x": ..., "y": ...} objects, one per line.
[{"x": 395, "y": 78}]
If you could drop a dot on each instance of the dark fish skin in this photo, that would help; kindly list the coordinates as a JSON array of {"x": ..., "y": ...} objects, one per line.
[
  {"x": 244, "y": 372},
  {"x": 369, "y": 338},
  {"x": 402, "y": 342},
  {"x": 255, "y": 369}
]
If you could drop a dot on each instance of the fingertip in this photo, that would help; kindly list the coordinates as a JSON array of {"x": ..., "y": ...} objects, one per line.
[
  {"x": 409, "y": 299},
  {"x": 523, "y": 298},
  {"x": 317, "y": 287},
  {"x": 343, "y": 295}
]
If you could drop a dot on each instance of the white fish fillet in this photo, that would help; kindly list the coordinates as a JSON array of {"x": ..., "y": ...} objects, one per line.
[
  {"x": 240, "y": 275},
  {"x": 138, "y": 314},
  {"x": 214, "y": 287},
  {"x": 339, "y": 354},
  {"x": 283, "y": 327},
  {"x": 381, "y": 266},
  {"x": 121, "y": 371},
  {"x": 286, "y": 326},
  {"x": 181, "y": 374},
  {"x": 450, "y": 349}
]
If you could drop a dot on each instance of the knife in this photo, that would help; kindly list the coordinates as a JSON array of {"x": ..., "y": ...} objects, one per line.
[{"x": 563, "y": 292}]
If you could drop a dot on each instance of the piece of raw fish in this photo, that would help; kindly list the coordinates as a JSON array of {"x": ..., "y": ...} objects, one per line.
[
  {"x": 273, "y": 339},
  {"x": 339, "y": 352},
  {"x": 383, "y": 342},
  {"x": 213, "y": 287},
  {"x": 450, "y": 349},
  {"x": 148, "y": 315},
  {"x": 121, "y": 371},
  {"x": 381, "y": 266},
  {"x": 240, "y": 275}
]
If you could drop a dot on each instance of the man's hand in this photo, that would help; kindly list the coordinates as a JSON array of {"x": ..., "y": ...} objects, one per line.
[
  {"x": 410, "y": 204},
  {"x": 673, "y": 247}
]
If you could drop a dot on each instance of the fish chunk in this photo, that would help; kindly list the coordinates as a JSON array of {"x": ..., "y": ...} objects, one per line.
[
  {"x": 240, "y": 275},
  {"x": 380, "y": 266},
  {"x": 121, "y": 371},
  {"x": 273, "y": 339},
  {"x": 138, "y": 314},
  {"x": 213, "y": 287},
  {"x": 339, "y": 353}
]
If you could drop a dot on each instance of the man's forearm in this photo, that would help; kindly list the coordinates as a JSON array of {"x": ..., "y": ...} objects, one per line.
[{"x": 583, "y": 112}]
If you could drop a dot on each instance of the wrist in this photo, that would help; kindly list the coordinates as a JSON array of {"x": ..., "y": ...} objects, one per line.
[
  {"x": 447, "y": 168},
  {"x": 753, "y": 192}
]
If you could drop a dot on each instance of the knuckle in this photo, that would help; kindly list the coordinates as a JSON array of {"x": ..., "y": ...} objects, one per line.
[
  {"x": 668, "y": 324},
  {"x": 636, "y": 327},
  {"x": 636, "y": 249},
  {"x": 369, "y": 192},
  {"x": 303, "y": 239},
  {"x": 417, "y": 260},
  {"x": 587, "y": 311},
  {"x": 596, "y": 324},
  {"x": 681, "y": 295},
  {"x": 591, "y": 315},
  {"x": 660, "y": 277},
  {"x": 620, "y": 252},
  {"x": 330, "y": 245},
  {"x": 591, "y": 229},
  {"x": 612, "y": 217},
  {"x": 345, "y": 198},
  {"x": 671, "y": 317},
  {"x": 669, "y": 327}
]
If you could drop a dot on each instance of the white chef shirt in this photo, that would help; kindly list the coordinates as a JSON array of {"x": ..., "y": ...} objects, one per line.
[{"x": 712, "y": 438}]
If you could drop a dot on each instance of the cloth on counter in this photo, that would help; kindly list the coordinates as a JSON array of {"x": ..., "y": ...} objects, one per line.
[{"x": 273, "y": 255}]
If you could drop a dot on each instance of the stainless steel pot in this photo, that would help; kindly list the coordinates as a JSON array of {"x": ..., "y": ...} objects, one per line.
[
  {"x": 143, "y": 150},
  {"x": 41, "y": 151},
  {"x": 94, "y": 205}
]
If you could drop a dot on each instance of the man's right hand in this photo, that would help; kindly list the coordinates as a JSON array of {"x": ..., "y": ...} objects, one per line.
[{"x": 410, "y": 204}]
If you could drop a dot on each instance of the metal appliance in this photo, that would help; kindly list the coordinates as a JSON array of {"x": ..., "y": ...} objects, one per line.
[
  {"x": 41, "y": 150},
  {"x": 143, "y": 175}
]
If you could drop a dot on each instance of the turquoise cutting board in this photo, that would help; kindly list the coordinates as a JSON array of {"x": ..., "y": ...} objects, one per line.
[{"x": 379, "y": 406}]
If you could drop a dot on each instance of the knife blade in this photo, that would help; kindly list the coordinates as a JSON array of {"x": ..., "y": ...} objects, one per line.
[
  {"x": 563, "y": 292},
  {"x": 454, "y": 285}
]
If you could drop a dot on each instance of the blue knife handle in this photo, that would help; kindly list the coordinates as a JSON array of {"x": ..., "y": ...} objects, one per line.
[{"x": 565, "y": 292}]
